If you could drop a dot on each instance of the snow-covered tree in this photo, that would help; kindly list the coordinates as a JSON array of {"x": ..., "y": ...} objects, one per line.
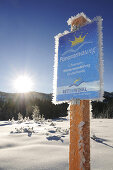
[
  {"x": 12, "y": 120},
  {"x": 28, "y": 119},
  {"x": 36, "y": 113},
  {"x": 20, "y": 118}
]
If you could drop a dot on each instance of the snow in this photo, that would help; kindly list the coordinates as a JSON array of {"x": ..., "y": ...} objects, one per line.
[
  {"x": 45, "y": 149},
  {"x": 45, "y": 146},
  {"x": 102, "y": 149},
  {"x": 70, "y": 20},
  {"x": 56, "y": 65},
  {"x": 81, "y": 124}
]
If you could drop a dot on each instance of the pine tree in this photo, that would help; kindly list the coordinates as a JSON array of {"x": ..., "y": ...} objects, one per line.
[
  {"x": 36, "y": 113},
  {"x": 20, "y": 118}
]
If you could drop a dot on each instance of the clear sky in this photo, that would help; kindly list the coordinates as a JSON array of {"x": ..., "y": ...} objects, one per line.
[{"x": 27, "y": 30}]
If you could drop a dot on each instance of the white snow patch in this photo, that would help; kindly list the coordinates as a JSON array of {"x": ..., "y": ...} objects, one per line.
[
  {"x": 81, "y": 124},
  {"x": 81, "y": 145},
  {"x": 56, "y": 65},
  {"x": 19, "y": 151},
  {"x": 70, "y": 20}
]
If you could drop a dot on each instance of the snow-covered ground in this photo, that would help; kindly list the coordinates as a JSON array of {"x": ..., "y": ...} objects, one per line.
[
  {"x": 46, "y": 146},
  {"x": 102, "y": 146}
]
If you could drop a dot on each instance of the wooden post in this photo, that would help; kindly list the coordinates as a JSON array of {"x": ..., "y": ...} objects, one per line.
[{"x": 79, "y": 154}]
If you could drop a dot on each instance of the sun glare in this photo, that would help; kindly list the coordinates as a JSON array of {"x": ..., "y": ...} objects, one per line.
[{"x": 23, "y": 84}]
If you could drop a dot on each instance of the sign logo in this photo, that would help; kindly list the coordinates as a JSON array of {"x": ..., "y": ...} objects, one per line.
[
  {"x": 77, "y": 82},
  {"x": 78, "y": 40}
]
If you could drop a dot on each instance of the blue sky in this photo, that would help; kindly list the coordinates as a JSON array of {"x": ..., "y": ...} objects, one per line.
[{"x": 27, "y": 30}]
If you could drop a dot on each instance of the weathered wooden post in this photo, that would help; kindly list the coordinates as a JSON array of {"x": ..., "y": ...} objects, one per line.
[
  {"x": 79, "y": 153},
  {"x": 78, "y": 74}
]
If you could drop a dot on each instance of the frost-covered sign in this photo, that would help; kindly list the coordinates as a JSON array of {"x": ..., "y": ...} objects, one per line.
[{"x": 78, "y": 63}]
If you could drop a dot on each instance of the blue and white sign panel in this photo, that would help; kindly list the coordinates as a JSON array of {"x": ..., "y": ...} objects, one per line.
[{"x": 79, "y": 64}]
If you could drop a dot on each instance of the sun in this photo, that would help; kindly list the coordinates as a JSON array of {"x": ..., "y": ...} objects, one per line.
[{"x": 23, "y": 84}]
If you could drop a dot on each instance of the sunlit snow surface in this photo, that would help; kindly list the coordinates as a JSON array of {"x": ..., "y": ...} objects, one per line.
[
  {"x": 47, "y": 147},
  {"x": 102, "y": 146}
]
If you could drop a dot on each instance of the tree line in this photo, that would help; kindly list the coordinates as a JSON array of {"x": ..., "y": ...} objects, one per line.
[
  {"x": 103, "y": 109},
  {"x": 24, "y": 105}
]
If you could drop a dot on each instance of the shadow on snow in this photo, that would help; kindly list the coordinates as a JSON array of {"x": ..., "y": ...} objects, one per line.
[
  {"x": 101, "y": 140},
  {"x": 57, "y": 138}
]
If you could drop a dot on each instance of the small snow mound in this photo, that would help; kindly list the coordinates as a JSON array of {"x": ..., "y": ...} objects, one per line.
[{"x": 52, "y": 124}]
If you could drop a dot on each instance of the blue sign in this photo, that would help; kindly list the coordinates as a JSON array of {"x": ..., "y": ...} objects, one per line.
[{"x": 78, "y": 67}]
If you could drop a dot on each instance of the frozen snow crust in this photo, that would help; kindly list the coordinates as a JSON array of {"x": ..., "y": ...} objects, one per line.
[{"x": 45, "y": 146}]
